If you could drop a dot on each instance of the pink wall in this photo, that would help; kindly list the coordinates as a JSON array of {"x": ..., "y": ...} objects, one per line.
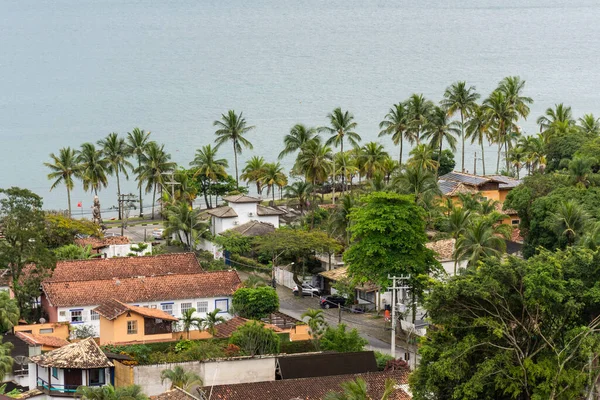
[{"x": 52, "y": 311}]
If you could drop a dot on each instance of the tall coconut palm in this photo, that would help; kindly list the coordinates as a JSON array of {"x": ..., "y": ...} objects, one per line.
[
  {"x": 253, "y": 172},
  {"x": 64, "y": 167},
  {"x": 232, "y": 128},
  {"x": 388, "y": 167},
  {"x": 557, "y": 121},
  {"x": 570, "y": 220},
  {"x": 272, "y": 176},
  {"x": 184, "y": 221},
  {"x": 180, "y": 378},
  {"x": 342, "y": 126},
  {"x": 512, "y": 87},
  {"x": 580, "y": 169},
  {"x": 137, "y": 140},
  {"x": 589, "y": 125},
  {"x": 339, "y": 220},
  {"x": 373, "y": 155},
  {"x": 462, "y": 99},
  {"x": 422, "y": 157},
  {"x": 301, "y": 191},
  {"x": 209, "y": 167},
  {"x": 94, "y": 167},
  {"x": 478, "y": 129},
  {"x": 314, "y": 162},
  {"x": 518, "y": 157},
  {"x": 316, "y": 324},
  {"x": 188, "y": 320},
  {"x": 293, "y": 141},
  {"x": 396, "y": 124},
  {"x": 116, "y": 151},
  {"x": 9, "y": 312},
  {"x": 439, "y": 129},
  {"x": 501, "y": 115},
  {"x": 418, "y": 181},
  {"x": 212, "y": 320},
  {"x": 456, "y": 223},
  {"x": 418, "y": 113},
  {"x": 480, "y": 240},
  {"x": 155, "y": 163},
  {"x": 186, "y": 188},
  {"x": 357, "y": 390}
]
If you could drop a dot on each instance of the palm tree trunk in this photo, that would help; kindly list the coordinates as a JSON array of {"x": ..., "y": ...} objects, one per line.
[
  {"x": 237, "y": 180},
  {"x": 119, "y": 194},
  {"x": 273, "y": 193},
  {"x": 401, "y": 145},
  {"x": 418, "y": 134},
  {"x": 343, "y": 165},
  {"x": 437, "y": 170},
  {"x": 140, "y": 186},
  {"x": 153, "y": 200},
  {"x": 482, "y": 157},
  {"x": 462, "y": 134},
  {"x": 69, "y": 200},
  {"x": 499, "y": 153}
]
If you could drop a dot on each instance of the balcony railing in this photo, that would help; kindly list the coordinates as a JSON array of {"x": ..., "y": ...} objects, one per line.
[{"x": 59, "y": 390}]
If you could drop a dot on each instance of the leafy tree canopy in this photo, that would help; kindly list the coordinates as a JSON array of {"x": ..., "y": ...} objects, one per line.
[
  {"x": 61, "y": 230},
  {"x": 342, "y": 340},
  {"x": 255, "y": 303},
  {"x": 254, "y": 339},
  {"x": 446, "y": 162},
  {"x": 233, "y": 242}
]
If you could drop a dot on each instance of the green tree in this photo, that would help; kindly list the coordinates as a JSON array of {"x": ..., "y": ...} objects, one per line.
[
  {"x": 341, "y": 126},
  {"x": 9, "y": 312},
  {"x": 64, "y": 167},
  {"x": 589, "y": 125},
  {"x": 116, "y": 152},
  {"x": 570, "y": 220},
  {"x": 395, "y": 124},
  {"x": 180, "y": 378},
  {"x": 301, "y": 192},
  {"x": 339, "y": 220},
  {"x": 6, "y": 361},
  {"x": 272, "y": 176},
  {"x": 155, "y": 163},
  {"x": 456, "y": 224},
  {"x": 446, "y": 162},
  {"x": 253, "y": 172},
  {"x": 184, "y": 220},
  {"x": 478, "y": 129},
  {"x": 373, "y": 156},
  {"x": 188, "y": 321},
  {"x": 480, "y": 240},
  {"x": 209, "y": 167},
  {"x": 316, "y": 325},
  {"x": 137, "y": 141},
  {"x": 462, "y": 99},
  {"x": 341, "y": 340},
  {"x": 440, "y": 129},
  {"x": 298, "y": 136},
  {"x": 233, "y": 242},
  {"x": 254, "y": 339},
  {"x": 74, "y": 252},
  {"x": 501, "y": 115},
  {"x": 422, "y": 158},
  {"x": 94, "y": 167},
  {"x": 420, "y": 183},
  {"x": 556, "y": 121},
  {"x": 255, "y": 303},
  {"x": 232, "y": 128},
  {"x": 212, "y": 320},
  {"x": 388, "y": 238},
  {"x": 419, "y": 109},
  {"x": 357, "y": 390},
  {"x": 513, "y": 329},
  {"x": 61, "y": 230},
  {"x": 22, "y": 221},
  {"x": 314, "y": 162}
]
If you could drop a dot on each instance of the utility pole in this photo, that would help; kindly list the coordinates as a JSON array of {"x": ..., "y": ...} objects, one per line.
[
  {"x": 396, "y": 280},
  {"x": 124, "y": 201}
]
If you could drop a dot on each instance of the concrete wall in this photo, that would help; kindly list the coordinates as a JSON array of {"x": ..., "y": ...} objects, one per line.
[
  {"x": 59, "y": 330},
  {"x": 123, "y": 374},
  {"x": 222, "y": 372},
  {"x": 123, "y": 250}
]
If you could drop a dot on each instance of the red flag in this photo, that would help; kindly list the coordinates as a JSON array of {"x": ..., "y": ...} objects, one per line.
[{"x": 79, "y": 204}]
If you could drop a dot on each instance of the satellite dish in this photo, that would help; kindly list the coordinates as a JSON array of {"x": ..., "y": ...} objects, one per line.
[
  {"x": 21, "y": 360},
  {"x": 42, "y": 320}
]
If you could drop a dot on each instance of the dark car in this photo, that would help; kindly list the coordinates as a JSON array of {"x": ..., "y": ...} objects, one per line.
[{"x": 333, "y": 301}]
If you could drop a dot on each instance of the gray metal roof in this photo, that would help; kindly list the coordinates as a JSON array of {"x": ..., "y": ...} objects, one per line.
[
  {"x": 223, "y": 212},
  {"x": 474, "y": 180},
  {"x": 447, "y": 186},
  {"x": 241, "y": 198},
  {"x": 506, "y": 181}
]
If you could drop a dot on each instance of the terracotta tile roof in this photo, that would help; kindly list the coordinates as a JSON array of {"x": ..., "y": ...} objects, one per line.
[
  {"x": 281, "y": 320},
  {"x": 266, "y": 210},
  {"x": 444, "y": 249},
  {"x": 125, "y": 267},
  {"x": 112, "y": 308},
  {"x": 516, "y": 236},
  {"x": 335, "y": 274},
  {"x": 100, "y": 243},
  {"x": 223, "y": 212},
  {"x": 314, "y": 388},
  {"x": 81, "y": 355},
  {"x": 507, "y": 181},
  {"x": 175, "y": 394},
  {"x": 225, "y": 329},
  {"x": 41, "y": 340},
  {"x": 241, "y": 198},
  {"x": 142, "y": 289},
  {"x": 252, "y": 228}
]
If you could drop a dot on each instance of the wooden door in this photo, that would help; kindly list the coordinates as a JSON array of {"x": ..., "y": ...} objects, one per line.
[{"x": 72, "y": 379}]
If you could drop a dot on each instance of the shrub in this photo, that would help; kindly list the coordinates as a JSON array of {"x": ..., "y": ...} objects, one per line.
[
  {"x": 255, "y": 303},
  {"x": 300, "y": 346},
  {"x": 247, "y": 264},
  {"x": 62, "y": 229},
  {"x": 254, "y": 339},
  {"x": 343, "y": 341},
  {"x": 382, "y": 360}
]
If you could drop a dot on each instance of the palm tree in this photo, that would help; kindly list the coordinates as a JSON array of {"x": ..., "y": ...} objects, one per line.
[
  {"x": 209, "y": 167},
  {"x": 155, "y": 163},
  {"x": 422, "y": 157},
  {"x": 300, "y": 191},
  {"x": 419, "y": 182},
  {"x": 557, "y": 121},
  {"x": 109, "y": 392},
  {"x": 373, "y": 156},
  {"x": 480, "y": 240},
  {"x": 589, "y": 125},
  {"x": 6, "y": 361},
  {"x": 293, "y": 141},
  {"x": 342, "y": 126},
  {"x": 357, "y": 390},
  {"x": 314, "y": 162},
  {"x": 512, "y": 87},
  {"x": 188, "y": 320},
  {"x": 339, "y": 220},
  {"x": 212, "y": 320},
  {"x": 64, "y": 167},
  {"x": 438, "y": 129},
  {"x": 570, "y": 220},
  {"x": 316, "y": 324},
  {"x": 459, "y": 98},
  {"x": 388, "y": 167},
  {"x": 180, "y": 378},
  {"x": 232, "y": 128},
  {"x": 184, "y": 220},
  {"x": 501, "y": 115},
  {"x": 186, "y": 188},
  {"x": 580, "y": 170},
  {"x": 418, "y": 114},
  {"x": 272, "y": 176},
  {"x": 253, "y": 171},
  {"x": 137, "y": 140},
  {"x": 517, "y": 158},
  {"x": 396, "y": 125},
  {"x": 115, "y": 150},
  {"x": 456, "y": 223},
  {"x": 9, "y": 312},
  {"x": 94, "y": 167},
  {"x": 478, "y": 129}
]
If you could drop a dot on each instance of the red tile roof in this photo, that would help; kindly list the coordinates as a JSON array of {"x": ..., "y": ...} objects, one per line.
[
  {"x": 142, "y": 289},
  {"x": 225, "y": 329},
  {"x": 112, "y": 308},
  {"x": 124, "y": 267},
  {"x": 41, "y": 340},
  {"x": 175, "y": 394},
  {"x": 310, "y": 388}
]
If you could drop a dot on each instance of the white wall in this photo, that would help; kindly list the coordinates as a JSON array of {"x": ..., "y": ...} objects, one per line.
[
  {"x": 123, "y": 250},
  {"x": 449, "y": 266},
  {"x": 246, "y": 212}
]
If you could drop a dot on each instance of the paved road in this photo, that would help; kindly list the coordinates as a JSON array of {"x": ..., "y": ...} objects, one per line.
[{"x": 137, "y": 233}]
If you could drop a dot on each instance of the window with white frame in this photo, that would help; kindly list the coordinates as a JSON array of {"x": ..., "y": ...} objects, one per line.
[
  {"x": 46, "y": 330},
  {"x": 76, "y": 316},
  {"x": 167, "y": 307},
  {"x": 185, "y": 307},
  {"x": 222, "y": 305},
  {"x": 94, "y": 316},
  {"x": 62, "y": 314},
  {"x": 131, "y": 327},
  {"x": 202, "y": 306}
]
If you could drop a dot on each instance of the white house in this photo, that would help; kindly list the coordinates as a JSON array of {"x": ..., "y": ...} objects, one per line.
[
  {"x": 240, "y": 210},
  {"x": 114, "y": 246}
]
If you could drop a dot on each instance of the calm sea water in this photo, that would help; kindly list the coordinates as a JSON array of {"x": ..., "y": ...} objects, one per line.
[{"x": 73, "y": 71}]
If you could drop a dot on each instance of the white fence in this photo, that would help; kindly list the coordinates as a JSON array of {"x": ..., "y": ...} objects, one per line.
[{"x": 286, "y": 278}]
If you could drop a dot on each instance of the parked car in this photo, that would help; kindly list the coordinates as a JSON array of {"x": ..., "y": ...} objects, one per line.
[
  {"x": 307, "y": 290},
  {"x": 333, "y": 301},
  {"x": 158, "y": 233}
]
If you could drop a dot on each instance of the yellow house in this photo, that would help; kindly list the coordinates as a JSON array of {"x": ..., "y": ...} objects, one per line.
[
  {"x": 121, "y": 323},
  {"x": 55, "y": 329}
]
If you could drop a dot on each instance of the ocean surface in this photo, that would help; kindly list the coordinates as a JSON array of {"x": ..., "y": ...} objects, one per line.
[{"x": 74, "y": 71}]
